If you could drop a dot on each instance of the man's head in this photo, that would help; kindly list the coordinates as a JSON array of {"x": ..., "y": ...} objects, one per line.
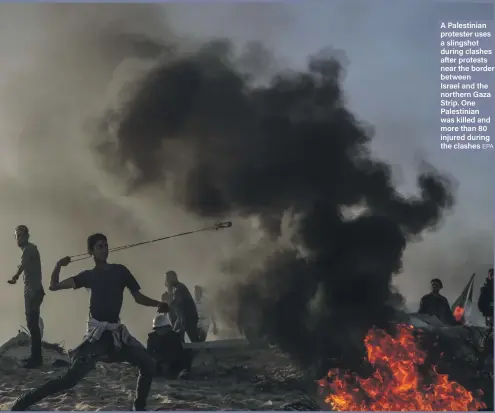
[
  {"x": 161, "y": 323},
  {"x": 21, "y": 235},
  {"x": 490, "y": 274},
  {"x": 171, "y": 278},
  {"x": 198, "y": 292},
  {"x": 98, "y": 247},
  {"x": 436, "y": 285}
]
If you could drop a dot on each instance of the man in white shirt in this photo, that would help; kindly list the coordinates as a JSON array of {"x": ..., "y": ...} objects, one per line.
[{"x": 205, "y": 313}]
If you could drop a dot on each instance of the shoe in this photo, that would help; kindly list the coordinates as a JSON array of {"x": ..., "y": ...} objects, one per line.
[
  {"x": 32, "y": 363},
  {"x": 138, "y": 407},
  {"x": 20, "y": 404}
]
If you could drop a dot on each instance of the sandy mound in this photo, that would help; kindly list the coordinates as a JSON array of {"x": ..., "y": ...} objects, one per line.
[{"x": 225, "y": 379}]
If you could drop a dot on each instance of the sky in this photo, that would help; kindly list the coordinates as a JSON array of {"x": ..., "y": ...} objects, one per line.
[{"x": 61, "y": 68}]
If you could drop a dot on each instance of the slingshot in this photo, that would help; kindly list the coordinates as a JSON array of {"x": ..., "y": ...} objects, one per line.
[{"x": 220, "y": 225}]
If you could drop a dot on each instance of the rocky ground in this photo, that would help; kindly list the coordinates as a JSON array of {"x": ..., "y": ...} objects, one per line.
[
  {"x": 225, "y": 379},
  {"x": 236, "y": 378}
]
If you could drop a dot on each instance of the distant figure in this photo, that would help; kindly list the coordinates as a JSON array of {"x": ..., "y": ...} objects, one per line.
[
  {"x": 33, "y": 292},
  {"x": 172, "y": 359},
  {"x": 205, "y": 314},
  {"x": 106, "y": 339},
  {"x": 183, "y": 312},
  {"x": 435, "y": 304},
  {"x": 485, "y": 301}
]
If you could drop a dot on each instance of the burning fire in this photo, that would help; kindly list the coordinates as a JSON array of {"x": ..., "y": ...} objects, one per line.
[
  {"x": 459, "y": 313},
  {"x": 396, "y": 384}
]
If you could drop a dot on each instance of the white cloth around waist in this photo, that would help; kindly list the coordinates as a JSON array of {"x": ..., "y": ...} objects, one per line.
[{"x": 95, "y": 329}]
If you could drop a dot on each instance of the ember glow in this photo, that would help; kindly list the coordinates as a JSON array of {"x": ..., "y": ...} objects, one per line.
[
  {"x": 459, "y": 314},
  {"x": 396, "y": 384}
]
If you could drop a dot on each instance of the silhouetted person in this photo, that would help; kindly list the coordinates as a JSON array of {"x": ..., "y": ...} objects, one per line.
[
  {"x": 485, "y": 305},
  {"x": 206, "y": 315},
  {"x": 485, "y": 300},
  {"x": 166, "y": 345},
  {"x": 435, "y": 304},
  {"x": 30, "y": 266},
  {"x": 106, "y": 338},
  {"x": 183, "y": 312}
]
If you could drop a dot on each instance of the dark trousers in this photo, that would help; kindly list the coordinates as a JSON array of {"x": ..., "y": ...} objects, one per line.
[
  {"x": 183, "y": 363},
  {"x": 85, "y": 361},
  {"x": 171, "y": 369},
  {"x": 32, "y": 305},
  {"x": 192, "y": 332},
  {"x": 201, "y": 334}
]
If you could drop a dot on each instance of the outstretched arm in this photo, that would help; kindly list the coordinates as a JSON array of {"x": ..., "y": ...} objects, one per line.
[
  {"x": 55, "y": 283},
  {"x": 142, "y": 299},
  {"x": 139, "y": 297},
  {"x": 16, "y": 276},
  {"x": 25, "y": 257}
]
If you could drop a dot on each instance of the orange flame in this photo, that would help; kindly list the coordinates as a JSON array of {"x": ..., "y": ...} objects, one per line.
[
  {"x": 396, "y": 384},
  {"x": 459, "y": 313}
]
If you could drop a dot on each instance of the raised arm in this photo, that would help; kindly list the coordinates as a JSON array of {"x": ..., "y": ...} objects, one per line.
[{"x": 55, "y": 283}]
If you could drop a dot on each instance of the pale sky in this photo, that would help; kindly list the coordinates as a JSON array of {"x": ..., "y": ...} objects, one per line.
[{"x": 54, "y": 77}]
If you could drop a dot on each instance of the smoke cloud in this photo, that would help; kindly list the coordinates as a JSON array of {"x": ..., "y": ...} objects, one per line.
[{"x": 226, "y": 146}]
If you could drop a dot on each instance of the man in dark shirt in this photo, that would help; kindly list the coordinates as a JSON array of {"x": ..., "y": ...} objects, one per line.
[
  {"x": 436, "y": 304},
  {"x": 106, "y": 338},
  {"x": 33, "y": 292},
  {"x": 183, "y": 314}
]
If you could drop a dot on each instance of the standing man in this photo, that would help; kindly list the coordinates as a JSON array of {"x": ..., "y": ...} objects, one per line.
[
  {"x": 106, "y": 338},
  {"x": 183, "y": 312},
  {"x": 485, "y": 300},
  {"x": 485, "y": 305},
  {"x": 436, "y": 304},
  {"x": 205, "y": 313},
  {"x": 33, "y": 292}
]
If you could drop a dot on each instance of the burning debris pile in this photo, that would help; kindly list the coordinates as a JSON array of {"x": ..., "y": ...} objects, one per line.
[{"x": 404, "y": 378}]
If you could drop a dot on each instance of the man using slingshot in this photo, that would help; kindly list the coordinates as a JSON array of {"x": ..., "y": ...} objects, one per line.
[{"x": 106, "y": 338}]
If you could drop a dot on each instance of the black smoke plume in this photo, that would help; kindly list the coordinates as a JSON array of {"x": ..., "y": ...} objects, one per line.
[{"x": 234, "y": 147}]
